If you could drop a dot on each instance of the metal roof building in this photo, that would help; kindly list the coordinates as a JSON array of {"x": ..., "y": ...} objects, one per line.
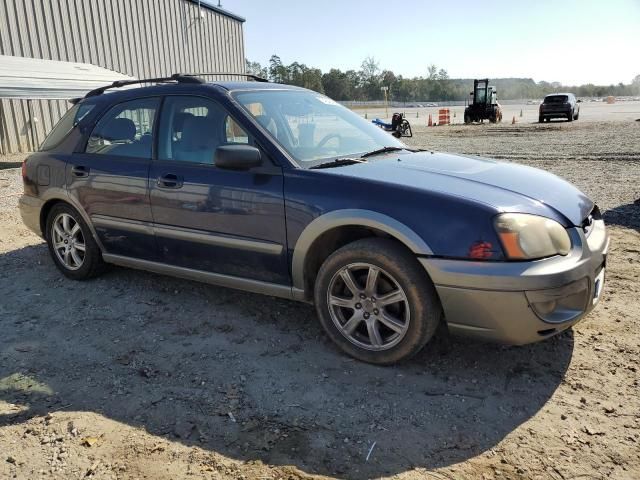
[{"x": 139, "y": 38}]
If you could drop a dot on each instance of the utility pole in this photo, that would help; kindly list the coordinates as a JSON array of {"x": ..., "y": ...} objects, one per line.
[{"x": 386, "y": 101}]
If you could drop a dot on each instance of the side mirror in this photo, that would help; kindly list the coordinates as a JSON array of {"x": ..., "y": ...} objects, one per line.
[
  {"x": 237, "y": 157},
  {"x": 578, "y": 101}
]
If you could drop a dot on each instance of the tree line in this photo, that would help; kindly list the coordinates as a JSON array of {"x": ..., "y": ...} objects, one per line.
[{"x": 366, "y": 83}]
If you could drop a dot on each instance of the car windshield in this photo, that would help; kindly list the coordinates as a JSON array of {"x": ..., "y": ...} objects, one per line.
[
  {"x": 555, "y": 99},
  {"x": 313, "y": 128}
]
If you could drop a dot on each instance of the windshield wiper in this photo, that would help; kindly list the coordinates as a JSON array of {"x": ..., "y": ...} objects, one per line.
[
  {"x": 338, "y": 162},
  {"x": 383, "y": 150}
]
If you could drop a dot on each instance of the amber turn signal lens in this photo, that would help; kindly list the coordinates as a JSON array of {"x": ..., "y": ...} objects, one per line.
[
  {"x": 528, "y": 237},
  {"x": 511, "y": 245}
]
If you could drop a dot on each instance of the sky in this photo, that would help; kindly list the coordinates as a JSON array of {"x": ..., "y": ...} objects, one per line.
[{"x": 568, "y": 41}]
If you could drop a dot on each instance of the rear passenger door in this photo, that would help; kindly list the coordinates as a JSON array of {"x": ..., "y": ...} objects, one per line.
[
  {"x": 110, "y": 178},
  {"x": 212, "y": 219}
]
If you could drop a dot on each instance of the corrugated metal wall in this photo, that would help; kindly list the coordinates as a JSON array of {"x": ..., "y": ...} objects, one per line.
[{"x": 142, "y": 38}]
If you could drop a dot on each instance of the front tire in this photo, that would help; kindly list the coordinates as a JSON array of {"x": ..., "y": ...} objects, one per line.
[
  {"x": 71, "y": 244},
  {"x": 376, "y": 302}
]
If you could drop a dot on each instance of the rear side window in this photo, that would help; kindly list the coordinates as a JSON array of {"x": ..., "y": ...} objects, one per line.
[
  {"x": 126, "y": 130},
  {"x": 70, "y": 119}
]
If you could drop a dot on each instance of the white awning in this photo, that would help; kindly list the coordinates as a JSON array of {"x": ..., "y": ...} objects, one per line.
[{"x": 22, "y": 77}]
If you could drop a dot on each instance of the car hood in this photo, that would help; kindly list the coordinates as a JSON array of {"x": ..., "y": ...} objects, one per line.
[{"x": 508, "y": 187}]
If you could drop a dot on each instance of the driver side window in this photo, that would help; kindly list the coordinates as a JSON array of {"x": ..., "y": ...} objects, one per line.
[
  {"x": 192, "y": 128},
  {"x": 234, "y": 133}
]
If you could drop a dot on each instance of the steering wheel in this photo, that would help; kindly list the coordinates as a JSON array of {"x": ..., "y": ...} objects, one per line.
[{"x": 328, "y": 137}]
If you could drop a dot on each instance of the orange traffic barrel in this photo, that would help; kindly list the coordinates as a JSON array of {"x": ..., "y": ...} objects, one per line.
[{"x": 443, "y": 116}]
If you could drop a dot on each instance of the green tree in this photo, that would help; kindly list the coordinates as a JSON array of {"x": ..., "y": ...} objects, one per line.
[
  {"x": 636, "y": 85},
  {"x": 355, "y": 83},
  {"x": 312, "y": 79},
  {"x": 370, "y": 74},
  {"x": 432, "y": 70},
  {"x": 337, "y": 85},
  {"x": 370, "y": 69},
  {"x": 435, "y": 86},
  {"x": 277, "y": 71},
  {"x": 254, "y": 68}
]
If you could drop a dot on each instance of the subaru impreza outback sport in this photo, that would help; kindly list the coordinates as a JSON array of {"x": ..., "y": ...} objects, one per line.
[{"x": 279, "y": 190}]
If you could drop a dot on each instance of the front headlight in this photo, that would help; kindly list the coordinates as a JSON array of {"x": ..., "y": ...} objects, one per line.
[{"x": 527, "y": 237}]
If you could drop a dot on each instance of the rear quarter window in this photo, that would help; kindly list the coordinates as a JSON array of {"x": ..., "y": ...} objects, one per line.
[{"x": 69, "y": 120}]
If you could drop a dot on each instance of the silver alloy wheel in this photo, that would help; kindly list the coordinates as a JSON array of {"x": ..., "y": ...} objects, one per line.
[
  {"x": 368, "y": 306},
  {"x": 68, "y": 241}
]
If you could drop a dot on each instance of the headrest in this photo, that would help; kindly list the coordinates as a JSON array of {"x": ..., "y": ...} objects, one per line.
[
  {"x": 198, "y": 133},
  {"x": 179, "y": 119},
  {"x": 119, "y": 129}
]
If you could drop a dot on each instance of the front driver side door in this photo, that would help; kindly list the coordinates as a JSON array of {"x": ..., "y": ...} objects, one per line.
[{"x": 211, "y": 219}]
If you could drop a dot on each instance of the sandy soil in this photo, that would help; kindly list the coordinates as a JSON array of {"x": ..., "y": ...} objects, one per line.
[{"x": 135, "y": 375}]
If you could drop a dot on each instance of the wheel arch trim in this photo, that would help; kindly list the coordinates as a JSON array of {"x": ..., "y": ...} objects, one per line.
[
  {"x": 350, "y": 217},
  {"x": 62, "y": 196}
]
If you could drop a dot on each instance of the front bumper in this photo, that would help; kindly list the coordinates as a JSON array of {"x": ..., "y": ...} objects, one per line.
[{"x": 522, "y": 302}]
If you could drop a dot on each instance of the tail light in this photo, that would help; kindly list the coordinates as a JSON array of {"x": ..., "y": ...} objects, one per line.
[{"x": 24, "y": 169}]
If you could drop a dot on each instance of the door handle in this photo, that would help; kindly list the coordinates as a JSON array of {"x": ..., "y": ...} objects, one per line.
[
  {"x": 79, "y": 171},
  {"x": 170, "y": 180}
]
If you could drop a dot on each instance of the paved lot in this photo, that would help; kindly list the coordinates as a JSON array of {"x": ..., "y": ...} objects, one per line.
[
  {"x": 589, "y": 112},
  {"x": 136, "y": 375}
]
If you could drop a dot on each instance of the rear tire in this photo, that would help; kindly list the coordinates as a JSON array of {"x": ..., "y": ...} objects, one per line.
[
  {"x": 71, "y": 244},
  {"x": 376, "y": 302},
  {"x": 570, "y": 116},
  {"x": 540, "y": 119}
]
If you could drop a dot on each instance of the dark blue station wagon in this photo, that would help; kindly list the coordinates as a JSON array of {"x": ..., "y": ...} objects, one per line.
[{"x": 280, "y": 190}]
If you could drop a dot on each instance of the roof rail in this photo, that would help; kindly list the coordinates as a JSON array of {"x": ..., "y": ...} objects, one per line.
[
  {"x": 256, "y": 78},
  {"x": 176, "y": 77}
]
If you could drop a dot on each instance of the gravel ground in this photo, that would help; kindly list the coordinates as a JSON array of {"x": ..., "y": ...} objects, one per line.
[{"x": 135, "y": 375}]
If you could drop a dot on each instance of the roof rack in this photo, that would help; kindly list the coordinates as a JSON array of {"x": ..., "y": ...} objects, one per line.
[
  {"x": 176, "y": 77},
  {"x": 256, "y": 78}
]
